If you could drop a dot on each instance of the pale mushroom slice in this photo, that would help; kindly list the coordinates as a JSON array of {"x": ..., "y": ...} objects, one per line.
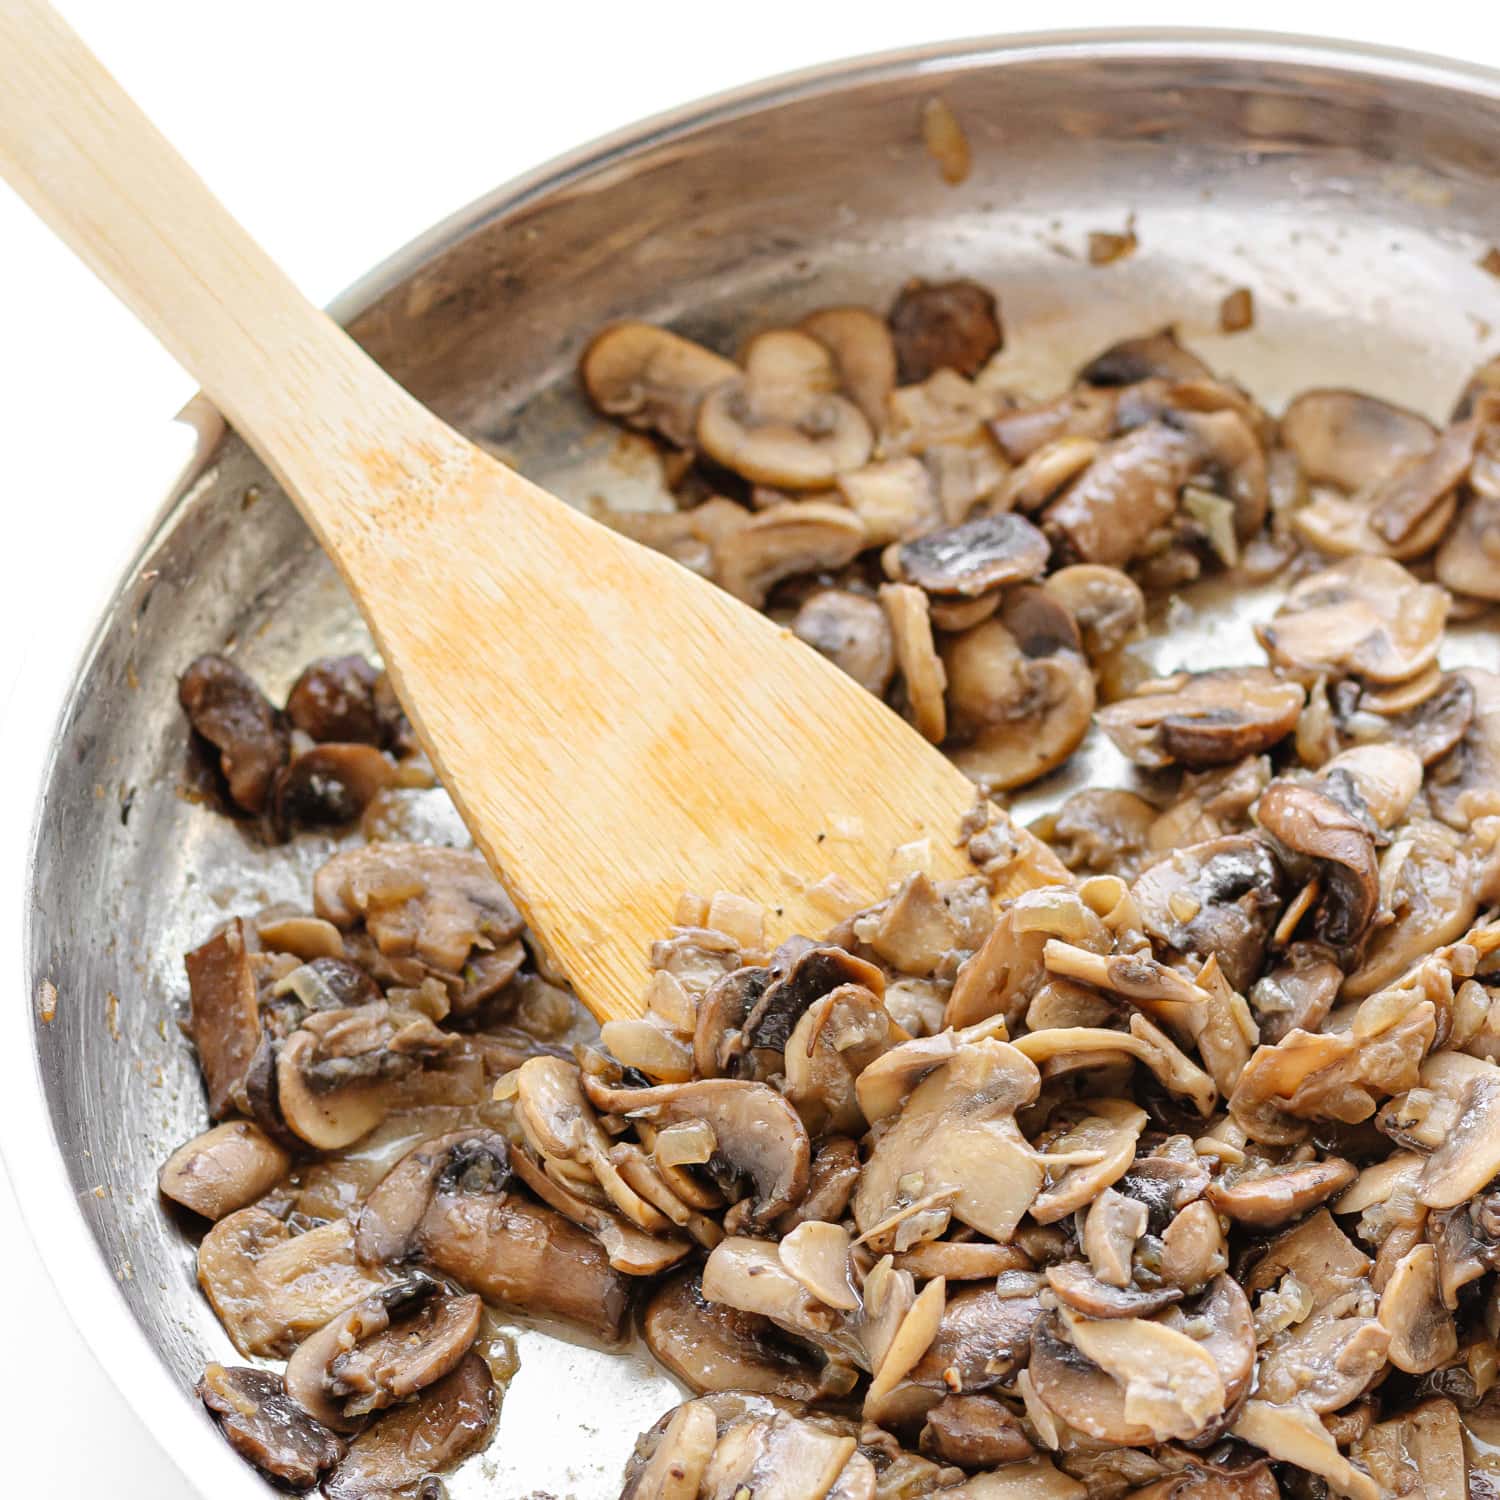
[
  {"x": 1202, "y": 719},
  {"x": 652, "y": 378},
  {"x": 863, "y": 352},
  {"x": 1111, "y": 1228},
  {"x": 1043, "y": 473},
  {"x": 974, "y": 558},
  {"x": 1465, "y": 784},
  {"x": 781, "y": 423},
  {"x": 894, "y": 499},
  {"x": 1405, "y": 500},
  {"x": 1294, "y": 1435},
  {"x": 1468, "y": 562},
  {"x": 1015, "y": 716},
  {"x": 1469, "y": 1156},
  {"x": 921, "y": 667},
  {"x": 786, "y": 539},
  {"x": 1379, "y": 782},
  {"x": 838, "y": 1037},
  {"x": 1351, "y": 440},
  {"x": 853, "y": 632},
  {"x": 1194, "y": 1250},
  {"x": 1423, "y": 1336},
  {"x": 909, "y": 1343},
  {"x": 1052, "y": 1049},
  {"x": 777, "y": 1457},
  {"x": 956, "y": 1144},
  {"x": 1344, "y": 526},
  {"x": 817, "y": 1254},
  {"x": 750, "y": 1276},
  {"x": 1428, "y": 1440},
  {"x": 1101, "y": 1145},
  {"x": 1107, "y": 604},
  {"x": 1323, "y": 1362},
  {"x": 676, "y": 1469},
  {"x": 1366, "y": 616},
  {"x": 222, "y": 1170}
]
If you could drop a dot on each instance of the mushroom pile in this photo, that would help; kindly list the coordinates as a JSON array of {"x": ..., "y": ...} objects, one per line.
[{"x": 1172, "y": 1178}]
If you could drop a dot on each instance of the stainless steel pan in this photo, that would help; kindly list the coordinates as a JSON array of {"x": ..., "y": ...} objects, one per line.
[{"x": 1354, "y": 191}]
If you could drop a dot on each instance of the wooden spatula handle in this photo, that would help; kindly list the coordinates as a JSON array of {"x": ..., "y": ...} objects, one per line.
[{"x": 95, "y": 168}]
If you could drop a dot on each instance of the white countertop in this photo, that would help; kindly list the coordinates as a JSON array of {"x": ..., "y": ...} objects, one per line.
[{"x": 336, "y": 131}]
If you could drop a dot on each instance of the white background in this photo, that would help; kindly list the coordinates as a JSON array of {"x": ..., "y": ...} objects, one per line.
[{"x": 336, "y": 130}]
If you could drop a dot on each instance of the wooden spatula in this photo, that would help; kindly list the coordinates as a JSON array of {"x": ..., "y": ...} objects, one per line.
[{"x": 614, "y": 729}]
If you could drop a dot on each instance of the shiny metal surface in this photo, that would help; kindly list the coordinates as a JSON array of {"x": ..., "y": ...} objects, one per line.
[{"x": 1353, "y": 191}]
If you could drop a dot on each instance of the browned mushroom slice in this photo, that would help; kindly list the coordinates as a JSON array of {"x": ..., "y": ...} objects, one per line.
[
  {"x": 224, "y": 1015},
  {"x": 1429, "y": 884},
  {"x": 948, "y": 325},
  {"x": 1221, "y": 897},
  {"x": 1148, "y": 357},
  {"x": 1351, "y": 440},
  {"x": 922, "y": 671},
  {"x": 381, "y": 1351},
  {"x": 1199, "y": 719},
  {"x": 1344, "y": 525},
  {"x": 796, "y": 981},
  {"x": 956, "y": 1144},
  {"x": 431, "y": 1435},
  {"x": 852, "y": 631},
  {"x": 1403, "y": 500},
  {"x": 982, "y": 1339},
  {"x": 862, "y": 348},
  {"x": 1014, "y": 716},
  {"x": 1234, "y": 468},
  {"x": 711, "y": 1346},
  {"x": 1099, "y": 831},
  {"x": 271, "y": 1288},
  {"x": 1079, "y": 1289},
  {"x": 329, "y": 784},
  {"x": 1130, "y": 491},
  {"x": 1365, "y": 615},
  {"x": 671, "y": 1457},
  {"x": 267, "y": 1428},
  {"x": 975, "y": 557},
  {"x": 975, "y": 1432},
  {"x": 651, "y": 378},
  {"x": 1194, "y": 1250},
  {"x": 1428, "y": 1440},
  {"x": 1294, "y": 1435},
  {"x": 1308, "y": 823},
  {"x": 833, "y": 1043},
  {"x": 222, "y": 1170},
  {"x": 1111, "y": 1228},
  {"x": 1377, "y": 783},
  {"x": 1469, "y": 1156},
  {"x": 1107, "y": 605},
  {"x": 1297, "y": 993},
  {"x": 416, "y": 899},
  {"x": 1268, "y": 1199},
  {"x": 893, "y": 498},
  {"x": 779, "y": 1456},
  {"x": 1423, "y": 1336},
  {"x": 781, "y": 423},
  {"x": 1468, "y": 562},
  {"x": 227, "y": 709},
  {"x": 1465, "y": 784},
  {"x": 1094, "y": 1149},
  {"x": 334, "y": 701},
  {"x": 796, "y": 536},
  {"x": 761, "y": 1140}
]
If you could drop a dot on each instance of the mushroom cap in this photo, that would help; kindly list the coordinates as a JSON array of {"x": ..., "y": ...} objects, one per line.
[
  {"x": 783, "y": 540},
  {"x": 650, "y": 377},
  {"x": 1351, "y": 440},
  {"x": 1151, "y": 356},
  {"x": 949, "y": 325},
  {"x": 224, "y": 1169},
  {"x": 974, "y": 557},
  {"x": 864, "y": 352},
  {"x": 1267, "y": 1200},
  {"x": 1201, "y": 719},
  {"x": 267, "y": 1428},
  {"x": 1107, "y": 605},
  {"x": 852, "y": 631},
  {"x": 226, "y": 708},
  {"x": 1468, "y": 561}
]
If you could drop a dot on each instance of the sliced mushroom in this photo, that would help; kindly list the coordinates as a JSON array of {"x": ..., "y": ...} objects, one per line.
[
  {"x": 1193, "y": 1248},
  {"x": 224, "y": 1169},
  {"x": 1058, "y": 1049},
  {"x": 1294, "y": 1435},
  {"x": 1429, "y": 1441},
  {"x": 779, "y": 1457},
  {"x": 1323, "y": 1362},
  {"x": 837, "y": 1038},
  {"x": 711, "y": 1346},
  {"x": 760, "y": 1138},
  {"x": 434, "y": 904},
  {"x": 982, "y": 1339},
  {"x": 1468, "y": 562},
  {"x": 1377, "y": 783},
  {"x": 921, "y": 667},
  {"x": 949, "y": 325},
  {"x": 1462, "y": 786},
  {"x": 1365, "y": 615},
  {"x": 1080, "y": 1290},
  {"x": 894, "y": 499},
  {"x": 1014, "y": 717},
  {"x": 1344, "y": 526},
  {"x": 1469, "y": 1156},
  {"x": 1269, "y": 1199},
  {"x": 1111, "y": 1228},
  {"x": 1351, "y": 440},
  {"x": 652, "y": 378},
  {"x": 1406, "y": 498},
  {"x": 781, "y": 423},
  {"x": 1107, "y": 604},
  {"x": 817, "y": 1255},
  {"x": 445, "y": 1425},
  {"x": 1311, "y": 824},
  {"x": 224, "y": 1015},
  {"x": 1149, "y": 357},
  {"x": 1222, "y": 897},
  {"x": 1108, "y": 514},
  {"x": 956, "y": 1143},
  {"x": 227, "y": 709},
  {"x": 381, "y": 1351},
  {"x": 267, "y": 1428},
  {"x": 975, "y": 1432},
  {"x": 669, "y": 1463},
  {"x": 1318, "y": 1254},
  {"x": 329, "y": 784},
  {"x": 1084, "y": 412},
  {"x": 1104, "y": 1134},
  {"x": 333, "y": 701},
  {"x": 973, "y": 558},
  {"x": 1199, "y": 719},
  {"x": 793, "y": 537},
  {"x": 1422, "y": 1332},
  {"x": 864, "y": 353},
  {"x": 270, "y": 1287},
  {"x": 852, "y": 631},
  {"x": 797, "y": 979}
]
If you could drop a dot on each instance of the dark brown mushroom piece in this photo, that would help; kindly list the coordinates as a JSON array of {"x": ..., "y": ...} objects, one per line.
[
  {"x": 1129, "y": 492},
  {"x": 983, "y": 1337},
  {"x": 1297, "y": 993},
  {"x": 1099, "y": 831},
  {"x": 1150, "y": 357},
  {"x": 852, "y": 631},
  {"x": 1366, "y": 615},
  {"x": 948, "y": 325},
  {"x": 447, "y": 1423},
  {"x": 973, "y": 558},
  {"x": 721, "y": 1018},
  {"x": 222, "y": 1170},
  {"x": 975, "y": 1432},
  {"x": 651, "y": 378},
  {"x": 1202, "y": 719},
  {"x": 1403, "y": 500},
  {"x": 224, "y": 1015},
  {"x": 1222, "y": 897},
  {"x": 328, "y": 785},
  {"x": 1308, "y": 823},
  {"x": 383, "y": 1350},
  {"x": 711, "y": 1346},
  {"x": 267, "y": 1428},
  {"x": 333, "y": 701},
  {"x": 227, "y": 709}
]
